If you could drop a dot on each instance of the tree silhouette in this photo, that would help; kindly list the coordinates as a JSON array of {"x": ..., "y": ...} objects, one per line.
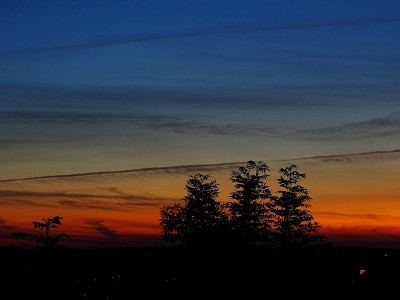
[
  {"x": 293, "y": 224},
  {"x": 172, "y": 222},
  {"x": 46, "y": 240},
  {"x": 201, "y": 220},
  {"x": 249, "y": 214},
  {"x": 255, "y": 217}
]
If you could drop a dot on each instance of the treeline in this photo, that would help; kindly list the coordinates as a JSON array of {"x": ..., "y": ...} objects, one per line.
[{"x": 255, "y": 216}]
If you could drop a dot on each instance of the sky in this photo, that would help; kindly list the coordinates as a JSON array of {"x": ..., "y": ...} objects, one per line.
[{"x": 99, "y": 86}]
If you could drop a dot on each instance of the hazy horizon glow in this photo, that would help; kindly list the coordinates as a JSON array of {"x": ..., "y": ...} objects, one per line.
[{"x": 354, "y": 206}]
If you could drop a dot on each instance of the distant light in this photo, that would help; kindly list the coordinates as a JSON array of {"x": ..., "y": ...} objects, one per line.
[{"x": 362, "y": 272}]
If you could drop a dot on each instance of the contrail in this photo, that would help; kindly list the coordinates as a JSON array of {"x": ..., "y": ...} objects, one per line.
[
  {"x": 194, "y": 168},
  {"x": 156, "y": 169},
  {"x": 103, "y": 41}
]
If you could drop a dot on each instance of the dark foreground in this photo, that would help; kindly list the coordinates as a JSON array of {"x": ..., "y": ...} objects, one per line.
[{"x": 177, "y": 273}]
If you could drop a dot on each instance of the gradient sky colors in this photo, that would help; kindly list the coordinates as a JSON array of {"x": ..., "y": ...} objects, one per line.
[{"x": 95, "y": 86}]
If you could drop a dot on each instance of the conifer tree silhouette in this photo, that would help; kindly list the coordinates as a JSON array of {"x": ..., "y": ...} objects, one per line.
[
  {"x": 201, "y": 219},
  {"x": 293, "y": 225},
  {"x": 249, "y": 213}
]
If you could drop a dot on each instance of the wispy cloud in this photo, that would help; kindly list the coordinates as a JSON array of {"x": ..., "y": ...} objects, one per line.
[
  {"x": 181, "y": 170},
  {"x": 111, "y": 40},
  {"x": 173, "y": 170},
  {"x": 117, "y": 202},
  {"x": 101, "y": 228},
  {"x": 182, "y": 126},
  {"x": 386, "y": 126},
  {"x": 5, "y": 226},
  {"x": 89, "y": 124},
  {"x": 361, "y": 157},
  {"x": 108, "y": 205},
  {"x": 8, "y": 193},
  {"x": 26, "y": 201},
  {"x": 94, "y": 104},
  {"x": 368, "y": 216}
]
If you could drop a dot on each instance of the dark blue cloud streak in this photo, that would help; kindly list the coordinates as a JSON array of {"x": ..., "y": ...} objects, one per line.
[
  {"x": 112, "y": 40},
  {"x": 388, "y": 125}
]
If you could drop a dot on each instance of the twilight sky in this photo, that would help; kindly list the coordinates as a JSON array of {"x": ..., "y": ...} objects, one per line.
[{"x": 94, "y": 86}]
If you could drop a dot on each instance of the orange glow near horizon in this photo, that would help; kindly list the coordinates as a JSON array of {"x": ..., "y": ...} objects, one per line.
[{"x": 354, "y": 205}]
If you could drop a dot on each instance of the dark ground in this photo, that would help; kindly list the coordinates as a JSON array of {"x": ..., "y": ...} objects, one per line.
[{"x": 179, "y": 273}]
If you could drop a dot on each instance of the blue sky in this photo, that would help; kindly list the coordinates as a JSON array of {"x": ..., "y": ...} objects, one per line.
[{"x": 107, "y": 85}]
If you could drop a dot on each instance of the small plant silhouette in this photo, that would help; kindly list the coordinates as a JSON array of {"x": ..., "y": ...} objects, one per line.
[{"x": 46, "y": 239}]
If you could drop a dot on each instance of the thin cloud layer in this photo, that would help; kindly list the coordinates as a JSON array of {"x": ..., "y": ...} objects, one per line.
[
  {"x": 68, "y": 122},
  {"x": 112, "y": 40},
  {"x": 185, "y": 170},
  {"x": 173, "y": 170},
  {"x": 80, "y": 201},
  {"x": 375, "y": 156},
  {"x": 110, "y": 207},
  {"x": 102, "y": 229},
  {"x": 367, "y": 216},
  {"x": 4, "y": 225},
  {"x": 386, "y": 126}
]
